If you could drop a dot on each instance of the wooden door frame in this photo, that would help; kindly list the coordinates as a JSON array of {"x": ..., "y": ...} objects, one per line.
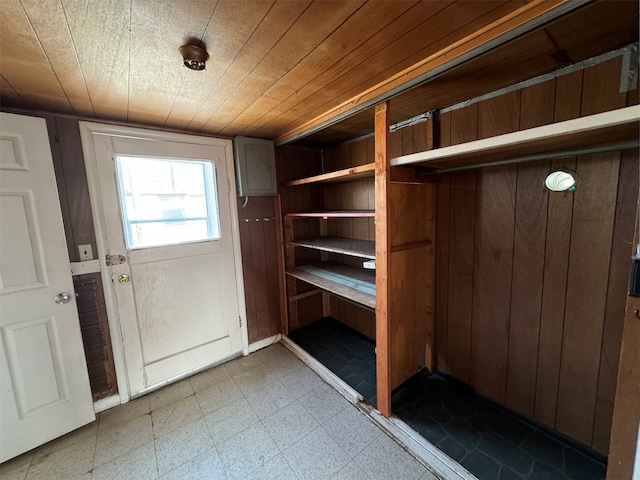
[{"x": 87, "y": 130}]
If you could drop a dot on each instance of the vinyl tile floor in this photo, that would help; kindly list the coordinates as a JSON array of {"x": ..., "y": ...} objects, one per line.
[{"x": 263, "y": 416}]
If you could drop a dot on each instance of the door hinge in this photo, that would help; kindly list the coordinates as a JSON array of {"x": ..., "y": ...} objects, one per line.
[
  {"x": 110, "y": 260},
  {"x": 240, "y": 321},
  {"x": 228, "y": 185}
]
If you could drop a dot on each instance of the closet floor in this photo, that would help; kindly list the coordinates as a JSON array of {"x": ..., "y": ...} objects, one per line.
[
  {"x": 347, "y": 353},
  {"x": 488, "y": 440}
]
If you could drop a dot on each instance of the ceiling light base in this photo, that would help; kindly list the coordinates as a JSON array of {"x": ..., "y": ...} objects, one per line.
[{"x": 194, "y": 56}]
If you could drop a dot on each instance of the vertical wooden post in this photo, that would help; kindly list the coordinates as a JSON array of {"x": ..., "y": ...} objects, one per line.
[
  {"x": 626, "y": 413},
  {"x": 430, "y": 348},
  {"x": 383, "y": 330},
  {"x": 324, "y": 256},
  {"x": 430, "y": 127},
  {"x": 291, "y": 287},
  {"x": 430, "y": 320},
  {"x": 282, "y": 285},
  {"x": 626, "y": 410}
]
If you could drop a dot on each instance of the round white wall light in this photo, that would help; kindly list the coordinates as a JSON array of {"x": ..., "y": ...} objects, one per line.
[{"x": 561, "y": 180}]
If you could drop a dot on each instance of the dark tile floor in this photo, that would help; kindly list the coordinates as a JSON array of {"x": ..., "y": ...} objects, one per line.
[
  {"x": 488, "y": 440},
  {"x": 345, "y": 352}
]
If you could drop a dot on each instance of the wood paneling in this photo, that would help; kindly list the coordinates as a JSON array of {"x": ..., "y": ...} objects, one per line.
[
  {"x": 258, "y": 239},
  {"x": 493, "y": 253},
  {"x": 620, "y": 264},
  {"x": 624, "y": 433},
  {"x": 310, "y": 29},
  {"x": 594, "y": 212},
  {"x": 549, "y": 269},
  {"x": 554, "y": 285},
  {"x": 9, "y": 96},
  {"x": 595, "y": 29},
  {"x": 153, "y": 101},
  {"x": 347, "y": 42},
  {"x": 294, "y": 163},
  {"x": 589, "y": 256},
  {"x": 273, "y": 26},
  {"x": 275, "y": 64},
  {"x": 54, "y": 37},
  {"x": 73, "y": 190},
  {"x": 96, "y": 339},
  {"x": 537, "y": 105},
  {"x": 461, "y": 231},
  {"x": 559, "y": 212},
  {"x": 27, "y": 68},
  {"x": 101, "y": 39},
  {"x": 350, "y": 195}
]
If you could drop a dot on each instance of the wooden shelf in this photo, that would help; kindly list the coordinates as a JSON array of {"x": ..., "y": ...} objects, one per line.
[
  {"x": 616, "y": 128},
  {"x": 333, "y": 214},
  {"x": 344, "y": 246},
  {"x": 346, "y": 175},
  {"x": 354, "y": 284}
]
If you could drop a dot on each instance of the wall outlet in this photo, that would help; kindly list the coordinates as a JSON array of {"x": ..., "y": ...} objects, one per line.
[{"x": 85, "y": 252}]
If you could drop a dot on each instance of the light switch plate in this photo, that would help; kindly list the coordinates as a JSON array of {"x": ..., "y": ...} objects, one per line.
[{"x": 85, "y": 252}]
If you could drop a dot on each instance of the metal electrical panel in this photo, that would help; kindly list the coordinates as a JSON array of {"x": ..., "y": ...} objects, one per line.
[{"x": 255, "y": 161}]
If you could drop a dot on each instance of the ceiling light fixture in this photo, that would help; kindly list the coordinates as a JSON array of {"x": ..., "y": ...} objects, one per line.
[
  {"x": 561, "y": 180},
  {"x": 194, "y": 56}
]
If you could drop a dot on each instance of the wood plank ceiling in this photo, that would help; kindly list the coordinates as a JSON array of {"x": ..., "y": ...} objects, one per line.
[{"x": 274, "y": 65}]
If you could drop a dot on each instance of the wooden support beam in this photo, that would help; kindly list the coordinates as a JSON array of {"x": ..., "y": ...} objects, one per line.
[
  {"x": 383, "y": 326},
  {"x": 310, "y": 293},
  {"x": 431, "y": 135}
]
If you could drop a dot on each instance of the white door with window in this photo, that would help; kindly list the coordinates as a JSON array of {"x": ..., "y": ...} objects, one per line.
[
  {"x": 164, "y": 210},
  {"x": 44, "y": 385}
]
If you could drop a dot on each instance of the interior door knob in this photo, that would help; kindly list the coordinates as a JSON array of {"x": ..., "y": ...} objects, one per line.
[
  {"x": 62, "y": 298},
  {"x": 124, "y": 278}
]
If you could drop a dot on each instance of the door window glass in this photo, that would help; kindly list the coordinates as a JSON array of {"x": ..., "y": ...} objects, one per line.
[{"x": 167, "y": 201}]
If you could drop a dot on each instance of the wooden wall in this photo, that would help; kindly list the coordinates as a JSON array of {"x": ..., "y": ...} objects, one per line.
[
  {"x": 259, "y": 245},
  {"x": 531, "y": 285},
  {"x": 293, "y": 163},
  {"x": 361, "y": 195},
  {"x": 357, "y": 195},
  {"x": 73, "y": 191}
]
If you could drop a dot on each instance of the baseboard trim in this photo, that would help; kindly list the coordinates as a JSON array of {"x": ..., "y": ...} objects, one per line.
[
  {"x": 264, "y": 343},
  {"x": 327, "y": 375}
]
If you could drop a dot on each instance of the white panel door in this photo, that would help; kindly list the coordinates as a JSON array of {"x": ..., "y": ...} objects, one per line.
[
  {"x": 177, "y": 295},
  {"x": 44, "y": 385}
]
